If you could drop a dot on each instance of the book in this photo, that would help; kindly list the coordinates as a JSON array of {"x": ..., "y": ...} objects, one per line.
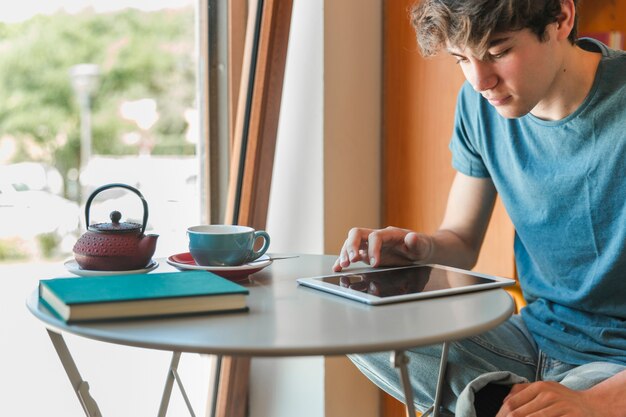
[{"x": 144, "y": 295}]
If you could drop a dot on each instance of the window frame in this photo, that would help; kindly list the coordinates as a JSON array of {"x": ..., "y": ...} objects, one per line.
[{"x": 239, "y": 124}]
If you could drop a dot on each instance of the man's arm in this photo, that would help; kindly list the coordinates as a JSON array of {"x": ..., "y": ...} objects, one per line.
[
  {"x": 468, "y": 211},
  {"x": 551, "y": 399},
  {"x": 456, "y": 243}
]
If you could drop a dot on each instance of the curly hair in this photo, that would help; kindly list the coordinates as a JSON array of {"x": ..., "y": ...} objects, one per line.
[{"x": 471, "y": 23}]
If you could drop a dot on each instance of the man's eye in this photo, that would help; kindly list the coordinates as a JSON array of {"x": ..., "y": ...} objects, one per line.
[
  {"x": 499, "y": 54},
  {"x": 460, "y": 60}
]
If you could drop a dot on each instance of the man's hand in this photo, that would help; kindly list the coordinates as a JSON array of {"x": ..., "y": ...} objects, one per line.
[
  {"x": 384, "y": 247},
  {"x": 456, "y": 243},
  {"x": 551, "y": 399}
]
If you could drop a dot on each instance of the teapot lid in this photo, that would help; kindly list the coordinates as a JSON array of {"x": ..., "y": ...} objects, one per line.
[{"x": 115, "y": 226}]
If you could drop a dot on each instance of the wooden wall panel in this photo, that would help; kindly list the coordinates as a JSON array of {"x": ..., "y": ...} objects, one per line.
[
  {"x": 419, "y": 97},
  {"x": 602, "y": 15},
  {"x": 419, "y": 100}
]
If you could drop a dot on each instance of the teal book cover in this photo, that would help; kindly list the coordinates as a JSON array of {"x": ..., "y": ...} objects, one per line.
[
  {"x": 141, "y": 295},
  {"x": 117, "y": 288}
]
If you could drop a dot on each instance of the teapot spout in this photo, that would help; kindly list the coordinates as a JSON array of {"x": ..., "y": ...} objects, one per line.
[{"x": 147, "y": 245}]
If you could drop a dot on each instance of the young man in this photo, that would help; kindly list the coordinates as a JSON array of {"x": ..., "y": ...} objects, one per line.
[{"x": 541, "y": 121}]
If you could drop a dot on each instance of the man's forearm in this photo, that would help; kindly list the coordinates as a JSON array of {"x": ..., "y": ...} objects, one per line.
[{"x": 448, "y": 248}]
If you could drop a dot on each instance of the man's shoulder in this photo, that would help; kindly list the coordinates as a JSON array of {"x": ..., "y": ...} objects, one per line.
[
  {"x": 614, "y": 64},
  {"x": 613, "y": 60},
  {"x": 594, "y": 45},
  {"x": 612, "y": 82}
]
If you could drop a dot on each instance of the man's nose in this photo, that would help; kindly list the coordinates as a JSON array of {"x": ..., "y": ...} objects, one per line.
[{"x": 482, "y": 76}]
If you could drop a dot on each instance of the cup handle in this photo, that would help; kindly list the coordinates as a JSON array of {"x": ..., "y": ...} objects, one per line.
[{"x": 266, "y": 244}]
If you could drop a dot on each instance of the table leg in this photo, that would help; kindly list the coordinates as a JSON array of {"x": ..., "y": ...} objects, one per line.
[
  {"x": 400, "y": 360},
  {"x": 442, "y": 376},
  {"x": 216, "y": 384},
  {"x": 172, "y": 375},
  {"x": 169, "y": 383},
  {"x": 183, "y": 392},
  {"x": 80, "y": 386}
]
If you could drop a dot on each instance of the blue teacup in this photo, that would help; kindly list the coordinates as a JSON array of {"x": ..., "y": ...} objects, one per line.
[{"x": 225, "y": 245}]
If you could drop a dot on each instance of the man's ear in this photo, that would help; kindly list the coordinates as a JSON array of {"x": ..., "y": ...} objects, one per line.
[{"x": 565, "y": 20}]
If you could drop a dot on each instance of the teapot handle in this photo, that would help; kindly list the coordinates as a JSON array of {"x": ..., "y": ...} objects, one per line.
[{"x": 116, "y": 185}]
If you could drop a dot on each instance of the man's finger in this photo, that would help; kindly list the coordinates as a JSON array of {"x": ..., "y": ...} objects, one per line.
[
  {"x": 419, "y": 246},
  {"x": 355, "y": 242}
]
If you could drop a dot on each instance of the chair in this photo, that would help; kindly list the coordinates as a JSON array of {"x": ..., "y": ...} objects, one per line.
[{"x": 394, "y": 408}]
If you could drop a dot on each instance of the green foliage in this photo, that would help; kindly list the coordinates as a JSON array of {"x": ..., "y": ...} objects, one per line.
[
  {"x": 11, "y": 250},
  {"x": 48, "y": 244},
  {"x": 140, "y": 55}
]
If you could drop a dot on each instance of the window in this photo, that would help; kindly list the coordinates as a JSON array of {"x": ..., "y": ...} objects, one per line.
[
  {"x": 93, "y": 92},
  {"x": 98, "y": 92},
  {"x": 125, "y": 136}
]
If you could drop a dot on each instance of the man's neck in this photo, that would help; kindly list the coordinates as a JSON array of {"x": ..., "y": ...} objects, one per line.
[{"x": 571, "y": 86}]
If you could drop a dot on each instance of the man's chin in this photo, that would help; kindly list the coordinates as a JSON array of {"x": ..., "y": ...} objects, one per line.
[{"x": 511, "y": 112}]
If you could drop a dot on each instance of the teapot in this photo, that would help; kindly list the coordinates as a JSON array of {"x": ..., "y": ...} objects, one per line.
[{"x": 116, "y": 246}]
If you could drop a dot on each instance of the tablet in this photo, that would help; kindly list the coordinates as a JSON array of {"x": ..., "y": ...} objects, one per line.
[{"x": 392, "y": 285}]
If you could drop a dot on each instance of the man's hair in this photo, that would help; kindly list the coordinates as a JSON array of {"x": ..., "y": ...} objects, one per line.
[{"x": 471, "y": 23}]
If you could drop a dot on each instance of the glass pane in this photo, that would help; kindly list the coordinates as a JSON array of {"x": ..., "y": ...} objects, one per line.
[{"x": 91, "y": 93}]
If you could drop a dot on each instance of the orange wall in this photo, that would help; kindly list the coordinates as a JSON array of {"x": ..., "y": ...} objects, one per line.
[
  {"x": 418, "y": 98},
  {"x": 601, "y": 15}
]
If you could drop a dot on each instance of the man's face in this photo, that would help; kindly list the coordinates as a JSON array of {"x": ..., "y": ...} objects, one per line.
[{"x": 518, "y": 73}]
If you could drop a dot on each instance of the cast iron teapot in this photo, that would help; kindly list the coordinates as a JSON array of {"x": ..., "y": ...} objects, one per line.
[{"x": 115, "y": 246}]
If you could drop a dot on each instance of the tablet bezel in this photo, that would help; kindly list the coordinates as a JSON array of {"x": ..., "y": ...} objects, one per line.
[{"x": 318, "y": 283}]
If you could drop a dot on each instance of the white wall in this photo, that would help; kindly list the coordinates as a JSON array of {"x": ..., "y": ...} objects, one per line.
[
  {"x": 296, "y": 207},
  {"x": 294, "y": 386},
  {"x": 326, "y": 179}
]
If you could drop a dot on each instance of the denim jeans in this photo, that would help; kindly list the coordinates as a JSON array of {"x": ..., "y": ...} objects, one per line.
[{"x": 508, "y": 347}]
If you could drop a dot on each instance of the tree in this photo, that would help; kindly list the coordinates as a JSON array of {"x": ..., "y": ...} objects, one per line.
[{"x": 141, "y": 55}]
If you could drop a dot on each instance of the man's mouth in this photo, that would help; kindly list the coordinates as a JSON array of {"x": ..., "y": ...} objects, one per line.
[{"x": 498, "y": 101}]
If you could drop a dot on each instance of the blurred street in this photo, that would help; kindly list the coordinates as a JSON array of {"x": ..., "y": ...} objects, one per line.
[{"x": 125, "y": 381}]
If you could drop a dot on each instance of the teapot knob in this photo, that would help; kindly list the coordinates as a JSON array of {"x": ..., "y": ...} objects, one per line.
[{"x": 115, "y": 216}]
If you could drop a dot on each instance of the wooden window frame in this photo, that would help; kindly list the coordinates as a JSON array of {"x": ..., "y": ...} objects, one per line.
[
  {"x": 255, "y": 67},
  {"x": 256, "y": 123}
]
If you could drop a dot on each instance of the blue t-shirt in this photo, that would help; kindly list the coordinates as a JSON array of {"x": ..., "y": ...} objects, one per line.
[{"x": 563, "y": 184}]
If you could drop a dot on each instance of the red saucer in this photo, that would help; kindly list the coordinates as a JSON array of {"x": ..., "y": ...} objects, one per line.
[{"x": 184, "y": 261}]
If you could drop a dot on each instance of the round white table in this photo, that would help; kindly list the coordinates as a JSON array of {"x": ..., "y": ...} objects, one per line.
[{"x": 285, "y": 319}]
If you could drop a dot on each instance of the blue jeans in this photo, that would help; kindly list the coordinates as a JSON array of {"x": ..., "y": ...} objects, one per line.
[{"x": 508, "y": 347}]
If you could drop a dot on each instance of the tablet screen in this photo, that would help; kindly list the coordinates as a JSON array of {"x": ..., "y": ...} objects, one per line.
[{"x": 387, "y": 283}]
